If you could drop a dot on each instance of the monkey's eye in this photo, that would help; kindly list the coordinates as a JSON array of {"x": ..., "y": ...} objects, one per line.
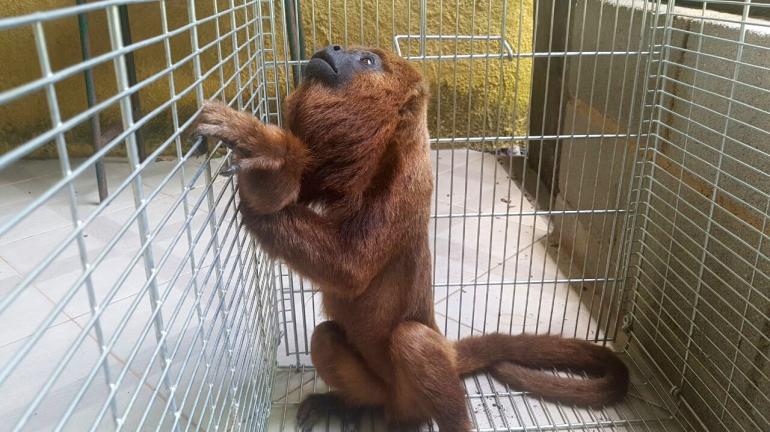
[{"x": 367, "y": 61}]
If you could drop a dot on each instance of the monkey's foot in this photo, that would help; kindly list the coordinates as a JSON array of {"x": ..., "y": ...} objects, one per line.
[{"x": 317, "y": 407}]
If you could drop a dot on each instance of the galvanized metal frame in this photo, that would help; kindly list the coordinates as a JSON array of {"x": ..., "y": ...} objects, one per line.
[
  {"x": 227, "y": 365},
  {"x": 459, "y": 142}
]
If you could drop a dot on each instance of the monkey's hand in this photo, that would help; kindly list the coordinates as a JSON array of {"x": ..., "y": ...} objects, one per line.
[
  {"x": 269, "y": 160},
  {"x": 248, "y": 137}
]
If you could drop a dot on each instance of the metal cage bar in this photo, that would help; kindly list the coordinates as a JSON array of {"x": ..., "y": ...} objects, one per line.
[{"x": 208, "y": 299}]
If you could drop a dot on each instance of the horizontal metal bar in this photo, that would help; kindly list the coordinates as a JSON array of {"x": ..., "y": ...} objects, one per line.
[
  {"x": 50, "y": 15},
  {"x": 533, "y": 282},
  {"x": 705, "y": 318},
  {"x": 733, "y": 61},
  {"x": 62, "y": 74},
  {"x": 21, "y": 353},
  {"x": 526, "y": 55},
  {"x": 108, "y": 147},
  {"x": 710, "y": 255},
  {"x": 480, "y": 139},
  {"x": 529, "y": 213},
  {"x": 19, "y": 152},
  {"x": 711, "y": 371},
  {"x": 759, "y": 89},
  {"x": 709, "y": 164},
  {"x": 692, "y": 291},
  {"x": 719, "y": 38},
  {"x": 694, "y": 88},
  {"x": 719, "y": 19},
  {"x": 450, "y": 57},
  {"x": 726, "y": 116},
  {"x": 489, "y": 38}
]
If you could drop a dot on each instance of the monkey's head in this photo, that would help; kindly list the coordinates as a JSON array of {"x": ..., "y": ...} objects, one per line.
[{"x": 355, "y": 96}]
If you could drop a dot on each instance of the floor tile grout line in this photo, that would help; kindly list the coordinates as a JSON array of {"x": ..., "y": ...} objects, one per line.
[
  {"x": 471, "y": 282},
  {"x": 8, "y": 263},
  {"x": 27, "y": 179},
  {"x": 23, "y": 338}
]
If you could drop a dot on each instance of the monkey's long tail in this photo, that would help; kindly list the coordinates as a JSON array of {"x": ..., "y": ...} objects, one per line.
[{"x": 519, "y": 361}]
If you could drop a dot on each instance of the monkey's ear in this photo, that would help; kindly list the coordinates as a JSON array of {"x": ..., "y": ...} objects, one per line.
[{"x": 415, "y": 98}]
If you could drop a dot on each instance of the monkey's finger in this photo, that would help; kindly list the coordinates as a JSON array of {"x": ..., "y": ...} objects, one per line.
[
  {"x": 198, "y": 144},
  {"x": 213, "y": 130},
  {"x": 230, "y": 171},
  {"x": 221, "y": 133}
]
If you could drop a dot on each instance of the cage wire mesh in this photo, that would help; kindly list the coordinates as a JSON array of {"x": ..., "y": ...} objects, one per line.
[
  {"x": 600, "y": 173},
  {"x": 148, "y": 308}
]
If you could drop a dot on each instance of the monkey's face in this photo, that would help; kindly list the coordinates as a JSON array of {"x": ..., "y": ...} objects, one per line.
[
  {"x": 335, "y": 67},
  {"x": 352, "y": 96}
]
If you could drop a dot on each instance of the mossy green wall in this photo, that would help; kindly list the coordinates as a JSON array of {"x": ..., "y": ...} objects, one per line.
[
  {"x": 482, "y": 97},
  {"x": 27, "y": 117},
  {"x": 471, "y": 98}
]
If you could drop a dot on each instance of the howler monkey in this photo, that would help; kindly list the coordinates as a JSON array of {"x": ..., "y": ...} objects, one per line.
[{"x": 342, "y": 195}]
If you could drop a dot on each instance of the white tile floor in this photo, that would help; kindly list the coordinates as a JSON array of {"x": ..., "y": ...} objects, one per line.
[
  {"x": 489, "y": 267},
  {"x": 118, "y": 281}
]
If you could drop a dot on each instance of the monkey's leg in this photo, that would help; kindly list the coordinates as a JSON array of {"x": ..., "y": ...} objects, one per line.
[
  {"x": 427, "y": 382},
  {"x": 357, "y": 388}
]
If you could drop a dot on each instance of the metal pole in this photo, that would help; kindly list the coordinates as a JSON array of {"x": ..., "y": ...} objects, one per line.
[
  {"x": 125, "y": 34},
  {"x": 96, "y": 129},
  {"x": 294, "y": 34}
]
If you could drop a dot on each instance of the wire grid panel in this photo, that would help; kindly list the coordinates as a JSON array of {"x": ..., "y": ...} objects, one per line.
[
  {"x": 504, "y": 259},
  {"x": 701, "y": 266},
  {"x": 517, "y": 151},
  {"x": 140, "y": 303}
]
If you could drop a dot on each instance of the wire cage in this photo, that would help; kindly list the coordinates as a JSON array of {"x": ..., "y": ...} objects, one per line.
[{"x": 601, "y": 172}]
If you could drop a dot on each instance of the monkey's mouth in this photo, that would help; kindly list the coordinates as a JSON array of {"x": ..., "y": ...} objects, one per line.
[
  {"x": 321, "y": 68},
  {"x": 321, "y": 58}
]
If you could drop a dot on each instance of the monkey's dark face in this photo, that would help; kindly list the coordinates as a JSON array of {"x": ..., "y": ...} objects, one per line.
[
  {"x": 335, "y": 67},
  {"x": 355, "y": 98}
]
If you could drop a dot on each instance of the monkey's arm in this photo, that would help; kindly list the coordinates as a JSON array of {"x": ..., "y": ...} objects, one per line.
[
  {"x": 269, "y": 160},
  {"x": 315, "y": 247}
]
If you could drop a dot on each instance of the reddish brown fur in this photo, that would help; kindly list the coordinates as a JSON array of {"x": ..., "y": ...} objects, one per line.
[{"x": 343, "y": 196}]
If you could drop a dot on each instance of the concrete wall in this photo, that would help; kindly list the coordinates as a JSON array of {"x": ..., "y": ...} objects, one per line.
[
  {"x": 700, "y": 302},
  {"x": 27, "y": 117},
  {"x": 471, "y": 98}
]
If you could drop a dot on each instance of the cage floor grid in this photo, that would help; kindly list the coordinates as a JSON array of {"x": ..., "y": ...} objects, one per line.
[{"x": 494, "y": 407}]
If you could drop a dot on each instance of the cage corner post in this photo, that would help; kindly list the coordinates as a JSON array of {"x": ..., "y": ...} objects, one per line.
[
  {"x": 88, "y": 76},
  {"x": 292, "y": 10},
  {"x": 548, "y": 78}
]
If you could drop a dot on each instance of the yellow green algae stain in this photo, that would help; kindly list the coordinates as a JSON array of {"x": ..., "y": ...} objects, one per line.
[{"x": 471, "y": 98}]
